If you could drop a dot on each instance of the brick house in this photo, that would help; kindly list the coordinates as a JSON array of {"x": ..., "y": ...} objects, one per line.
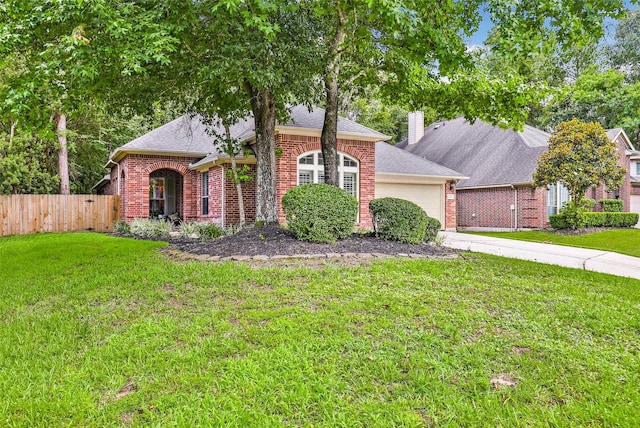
[
  {"x": 176, "y": 169},
  {"x": 500, "y": 164}
]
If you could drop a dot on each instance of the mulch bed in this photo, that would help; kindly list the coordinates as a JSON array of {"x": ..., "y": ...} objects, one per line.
[{"x": 273, "y": 240}]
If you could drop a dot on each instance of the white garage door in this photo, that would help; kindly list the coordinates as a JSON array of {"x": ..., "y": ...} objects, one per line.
[
  {"x": 429, "y": 197},
  {"x": 635, "y": 206}
]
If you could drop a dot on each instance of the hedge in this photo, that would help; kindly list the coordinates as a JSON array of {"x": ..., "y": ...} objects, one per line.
[
  {"x": 398, "y": 220},
  {"x": 591, "y": 219},
  {"x": 611, "y": 205},
  {"x": 320, "y": 212}
]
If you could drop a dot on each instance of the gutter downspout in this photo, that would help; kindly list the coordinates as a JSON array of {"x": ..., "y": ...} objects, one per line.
[{"x": 515, "y": 205}]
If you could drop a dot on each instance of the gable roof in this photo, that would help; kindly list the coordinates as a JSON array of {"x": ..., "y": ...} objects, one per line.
[
  {"x": 489, "y": 155},
  {"x": 392, "y": 160},
  {"x": 188, "y": 136}
]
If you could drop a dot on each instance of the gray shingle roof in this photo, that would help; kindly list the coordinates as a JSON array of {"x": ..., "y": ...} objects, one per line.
[
  {"x": 188, "y": 135},
  {"x": 301, "y": 117},
  {"x": 392, "y": 160},
  {"x": 185, "y": 134},
  {"x": 489, "y": 155}
]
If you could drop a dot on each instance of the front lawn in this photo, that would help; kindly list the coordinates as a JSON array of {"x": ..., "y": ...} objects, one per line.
[
  {"x": 623, "y": 241},
  {"x": 103, "y": 331}
]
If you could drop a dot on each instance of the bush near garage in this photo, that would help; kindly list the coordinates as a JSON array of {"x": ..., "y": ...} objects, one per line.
[{"x": 398, "y": 220}]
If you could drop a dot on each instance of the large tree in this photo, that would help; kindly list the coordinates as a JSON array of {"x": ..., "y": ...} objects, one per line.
[
  {"x": 624, "y": 52},
  {"x": 416, "y": 50},
  {"x": 67, "y": 49},
  {"x": 580, "y": 156},
  {"x": 601, "y": 96},
  {"x": 266, "y": 51}
]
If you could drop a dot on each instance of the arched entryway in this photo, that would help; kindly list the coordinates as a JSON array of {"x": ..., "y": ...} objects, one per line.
[{"x": 166, "y": 193}]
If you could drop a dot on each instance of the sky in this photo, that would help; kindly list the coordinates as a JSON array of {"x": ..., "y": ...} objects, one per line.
[{"x": 479, "y": 37}]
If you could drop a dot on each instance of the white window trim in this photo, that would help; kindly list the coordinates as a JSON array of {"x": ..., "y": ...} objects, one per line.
[
  {"x": 558, "y": 198},
  {"x": 317, "y": 169}
]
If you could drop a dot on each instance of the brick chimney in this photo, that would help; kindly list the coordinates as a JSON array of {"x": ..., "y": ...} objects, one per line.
[{"x": 416, "y": 126}]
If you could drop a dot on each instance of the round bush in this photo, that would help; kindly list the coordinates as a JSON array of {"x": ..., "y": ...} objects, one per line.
[
  {"x": 399, "y": 220},
  {"x": 320, "y": 212},
  {"x": 433, "y": 227}
]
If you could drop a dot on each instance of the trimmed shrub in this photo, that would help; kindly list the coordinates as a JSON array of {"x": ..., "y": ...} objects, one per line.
[
  {"x": 399, "y": 220},
  {"x": 558, "y": 221},
  {"x": 149, "y": 228},
  {"x": 606, "y": 219},
  {"x": 587, "y": 204},
  {"x": 320, "y": 212},
  {"x": 610, "y": 219},
  {"x": 433, "y": 227},
  {"x": 611, "y": 205}
]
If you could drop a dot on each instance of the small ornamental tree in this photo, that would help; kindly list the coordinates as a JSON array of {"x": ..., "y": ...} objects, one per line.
[{"x": 580, "y": 156}]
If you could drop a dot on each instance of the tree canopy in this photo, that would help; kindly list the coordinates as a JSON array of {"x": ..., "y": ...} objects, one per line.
[{"x": 580, "y": 156}]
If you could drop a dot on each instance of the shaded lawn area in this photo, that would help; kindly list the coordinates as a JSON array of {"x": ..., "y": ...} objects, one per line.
[
  {"x": 105, "y": 331},
  {"x": 623, "y": 241}
]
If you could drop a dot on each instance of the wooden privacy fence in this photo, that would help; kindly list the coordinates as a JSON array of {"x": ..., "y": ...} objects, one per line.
[{"x": 24, "y": 214}]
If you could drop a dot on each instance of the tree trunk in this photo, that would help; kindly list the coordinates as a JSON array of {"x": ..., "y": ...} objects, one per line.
[
  {"x": 63, "y": 153},
  {"x": 329, "y": 136},
  {"x": 234, "y": 172},
  {"x": 264, "y": 115}
]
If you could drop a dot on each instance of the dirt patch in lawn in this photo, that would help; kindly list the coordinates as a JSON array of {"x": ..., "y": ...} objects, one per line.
[{"x": 274, "y": 240}]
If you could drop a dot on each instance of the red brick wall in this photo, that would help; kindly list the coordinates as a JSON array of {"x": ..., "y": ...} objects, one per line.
[
  {"x": 294, "y": 145},
  {"x": 492, "y": 207},
  {"x": 450, "y": 207},
  {"x": 232, "y": 214},
  {"x": 134, "y": 188}
]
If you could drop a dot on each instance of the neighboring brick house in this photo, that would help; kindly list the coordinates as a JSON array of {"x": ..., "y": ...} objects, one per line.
[
  {"x": 500, "y": 163},
  {"x": 176, "y": 169}
]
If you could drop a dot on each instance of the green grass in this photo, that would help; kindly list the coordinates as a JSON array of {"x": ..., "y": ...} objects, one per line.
[
  {"x": 623, "y": 241},
  {"x": 104, "y": 331}
]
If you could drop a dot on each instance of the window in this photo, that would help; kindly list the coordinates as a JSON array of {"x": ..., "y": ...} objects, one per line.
[
  {"x": 638, "y": 168},
  {"x": 557, "y": 195},
  {"x": 156, "y": 197},
  {"x": 205, "y": 193},
  {"x": 311, "y": 170}
]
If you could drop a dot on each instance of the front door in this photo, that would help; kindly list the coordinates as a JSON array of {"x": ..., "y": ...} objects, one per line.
[{"x": 162, "y": 197}]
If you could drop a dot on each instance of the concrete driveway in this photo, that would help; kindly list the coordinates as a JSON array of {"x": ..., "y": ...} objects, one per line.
[{"x": 579, "y": 258}]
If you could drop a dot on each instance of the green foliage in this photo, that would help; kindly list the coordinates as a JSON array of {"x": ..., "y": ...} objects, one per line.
[
  {"x": 558, "y": 221},
  {"x": 399, "y": 220},
  {"x": 27, "y": 165},
  {"x": 433, "y": 227},
  {"x": 208, "y": 231},
  {"x": 382, "y": 116},
  {"x": 609, "y": 219},
  {"x": 320, "y": 212},
  {"x": 611, "y": 205},
  {"x": 244, "y": 174},
  {"x": 624, "y": 52},
  {"x": 121, "y": 227},
  {"x": 148, "y": 228},
  {"x": 594, "y": 219},
  {"x": 598, "y": 96},
  {"x": 580, "y": 156}
]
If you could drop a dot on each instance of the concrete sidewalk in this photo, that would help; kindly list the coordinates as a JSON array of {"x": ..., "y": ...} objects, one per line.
[{"x": 579, "y": 258}]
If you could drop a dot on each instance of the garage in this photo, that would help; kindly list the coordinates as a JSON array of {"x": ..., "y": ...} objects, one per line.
[
  {"x": 400, "y": 174},
  {"x": 429, "y": 197},
  {"x": 635, "y": 206}
]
